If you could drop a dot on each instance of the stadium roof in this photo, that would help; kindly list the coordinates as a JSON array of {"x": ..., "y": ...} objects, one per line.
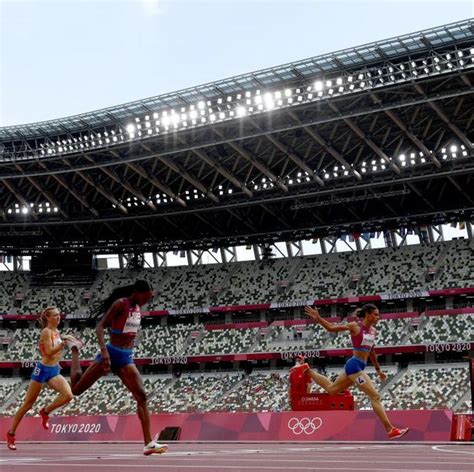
[{"x": 374, "y": 136}]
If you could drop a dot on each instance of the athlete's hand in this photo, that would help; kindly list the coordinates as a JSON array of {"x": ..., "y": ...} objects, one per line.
[
  {"x": 105, "y": 361},
  {"x": 312, "y": 313},
  {"x": 67, "y": 337},
  {"x": 382, "y": 376}
]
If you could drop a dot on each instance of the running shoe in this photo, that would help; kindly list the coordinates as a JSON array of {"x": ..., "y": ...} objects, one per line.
[
  {"x": 44, "y": 418},
  {"x": 154, "y": 447},
  {"x": 75, "y": 342},
  {"x": 397, "y": 433},
  {"x": 11, "y": 441}
]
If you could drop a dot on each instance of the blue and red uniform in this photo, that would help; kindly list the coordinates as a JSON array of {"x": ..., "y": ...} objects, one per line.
[
  {"x": 127, "y": 323},
  {"x": 364, "y": 341}
]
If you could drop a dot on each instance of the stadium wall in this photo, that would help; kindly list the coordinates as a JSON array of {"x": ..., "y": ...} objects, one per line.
[{"x": 425, "y": 425}]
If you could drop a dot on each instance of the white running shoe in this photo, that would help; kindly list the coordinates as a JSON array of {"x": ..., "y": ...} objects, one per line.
[
  {"x": 154, "y": 447},
  {"x": 74, "y": 342}
]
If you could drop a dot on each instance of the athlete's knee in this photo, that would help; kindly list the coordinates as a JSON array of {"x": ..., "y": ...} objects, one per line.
[
  {"x": 68, "y": 397},
  {"x": 140, "y": 396},
  {"x": 332, "y": 390},
  {"x": 375, "y": 397},
  {"x": 77, "y": 390}
]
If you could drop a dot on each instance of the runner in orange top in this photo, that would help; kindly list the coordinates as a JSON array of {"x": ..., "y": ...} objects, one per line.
[{"x": 47, "y": 371}]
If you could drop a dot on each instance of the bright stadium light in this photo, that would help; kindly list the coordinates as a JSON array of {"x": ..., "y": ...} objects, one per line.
[
  {"x": 453, "y": 149},
  {"x": 249, "y": 102},
  {"x": 175, "y": 118},
  {"x": 269, "y": 103},
  {"x": 318, "y": 86}
]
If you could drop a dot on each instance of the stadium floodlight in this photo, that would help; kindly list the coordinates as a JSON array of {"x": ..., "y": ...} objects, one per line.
[
  {"x": 318, "y": 86},
  {"x": 269, "y": 103},
  {"x": 453, "y": 149},
  {"x": 402, "y": 157},
  {"x": 175, "y": 119},
  {"x": 249, "y": 102},
  {"x": 25, "y": 210}
]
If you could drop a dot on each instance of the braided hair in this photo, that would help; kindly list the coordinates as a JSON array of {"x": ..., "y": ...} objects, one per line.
[
  {"x": 120, "y": 292},
  {"x": 365, "y": 310}
]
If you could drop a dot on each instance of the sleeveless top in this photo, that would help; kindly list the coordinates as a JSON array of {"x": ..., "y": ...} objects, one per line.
[
  {"x": 56, "y": 340},
  {"x": 127, "y": 322},
  {"x": 365, "y": 340}
]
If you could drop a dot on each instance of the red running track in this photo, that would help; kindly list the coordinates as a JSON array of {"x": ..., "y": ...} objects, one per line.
[{"x": 234, "y": 457}]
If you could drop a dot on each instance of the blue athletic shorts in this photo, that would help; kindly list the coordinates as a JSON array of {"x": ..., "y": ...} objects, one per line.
[
  {"x": 44, "y": 373},
  {"x": 118, "y": 357},
  {"x": 354, "y": 366}
]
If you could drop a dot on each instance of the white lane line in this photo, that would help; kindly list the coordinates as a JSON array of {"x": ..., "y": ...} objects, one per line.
[
  {"x": 240, "y": 467},
  {"x": 471, "y": 452},
  {"x": 214, "y": 460}
]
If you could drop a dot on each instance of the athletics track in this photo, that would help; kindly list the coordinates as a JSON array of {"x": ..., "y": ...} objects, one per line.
[{"x": 239, "y": 456}]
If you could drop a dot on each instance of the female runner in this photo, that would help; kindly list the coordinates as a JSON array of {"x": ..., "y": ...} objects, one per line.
[
  {"x": 363, "y": 336},
  {"x": 47, "y": 371},
  {"x": 121, "y": 316}
]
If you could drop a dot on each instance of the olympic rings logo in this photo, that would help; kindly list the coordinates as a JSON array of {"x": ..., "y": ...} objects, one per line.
[{"x": 304, "y": 425}]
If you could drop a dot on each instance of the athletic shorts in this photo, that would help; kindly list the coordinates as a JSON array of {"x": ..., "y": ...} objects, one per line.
[
  {"x": 354, "y": 365},
  {"x": 119, "y": 357},
  {"x": 44, "y": 373}
]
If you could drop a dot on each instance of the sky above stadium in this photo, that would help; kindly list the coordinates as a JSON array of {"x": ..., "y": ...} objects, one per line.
[{"x": 63, "y": 57}]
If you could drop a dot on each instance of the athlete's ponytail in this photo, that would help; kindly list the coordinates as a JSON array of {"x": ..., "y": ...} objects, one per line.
[
  {"x": 42, "y": 319},
  {"x": 365, "y": 310},
  {"x": 120, "y": 292}
]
